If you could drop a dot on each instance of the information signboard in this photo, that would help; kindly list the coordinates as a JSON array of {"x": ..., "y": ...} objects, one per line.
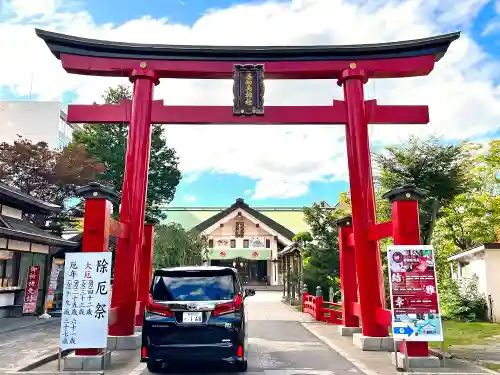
[
  {"x": 57, "y": 265},
  {"x": 31, "y": 290},
  {"x": 414, "y": 295},
  {"x": 84, "y": 321}
]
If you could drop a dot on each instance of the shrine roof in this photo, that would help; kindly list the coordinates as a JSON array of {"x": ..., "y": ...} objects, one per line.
[
  {"x": 72, "y": 45},
  {"x": 15, "y": 198},
  {"x": 22, "y": 230},
  {"x": 240, "y": 204}
]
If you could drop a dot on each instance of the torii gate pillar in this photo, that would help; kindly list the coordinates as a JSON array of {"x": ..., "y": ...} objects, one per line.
[
  {"x": 351, "y": 65},
  {"x": 133, "y": 203}
]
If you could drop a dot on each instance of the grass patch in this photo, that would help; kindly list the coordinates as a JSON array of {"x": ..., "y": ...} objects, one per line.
[
  {"x": 465, "y": 333},
  {"x": 491, "y": 366}
]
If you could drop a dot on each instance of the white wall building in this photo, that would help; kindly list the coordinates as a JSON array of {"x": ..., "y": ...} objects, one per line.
[
  {"x": 36, "y": 121},
  {"x": 482, "y": 263},
  {"x": 248, "y": 240}
]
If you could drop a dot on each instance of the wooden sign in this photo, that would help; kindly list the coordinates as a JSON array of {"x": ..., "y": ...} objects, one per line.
[
  {"x": 31, "y": 291},
  {"x": 248, "y": 90}
]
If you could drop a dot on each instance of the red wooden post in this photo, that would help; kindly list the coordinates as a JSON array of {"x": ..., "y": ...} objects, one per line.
[
  {"x": 406, "y": 231},
  {"x": 318, "y": 301},
  {"x": 134, "y": 202},
  {"x": 368, "y": 262},
  {"x": 305, "y": 294},
  {"x": 96, "y": 228},
  {"x": 348, "y": 281},
  {"x": 146, "y": 270}
]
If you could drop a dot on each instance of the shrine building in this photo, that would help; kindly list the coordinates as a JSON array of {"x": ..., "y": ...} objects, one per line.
[
  {"x": 23, "y": 245},
  {"x": 253, "y": 240}
]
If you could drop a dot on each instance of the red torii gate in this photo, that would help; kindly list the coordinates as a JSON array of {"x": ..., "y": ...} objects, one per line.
[{"x": 352, "y": 66}]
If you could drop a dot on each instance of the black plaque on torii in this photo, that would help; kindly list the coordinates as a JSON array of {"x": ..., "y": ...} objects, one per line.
[{"x": 248, "y": 90}]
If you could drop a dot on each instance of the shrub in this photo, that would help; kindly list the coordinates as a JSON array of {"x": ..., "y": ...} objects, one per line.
[{"x": 461, "y": 300}]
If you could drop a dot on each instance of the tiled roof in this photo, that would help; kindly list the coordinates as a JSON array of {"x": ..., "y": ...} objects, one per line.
[
  {"x": 240, "y": 204},
  {"x": 189, "y": 217},
  {"x": 29, "y": 204},
  {"x": 23, "y": 230}
]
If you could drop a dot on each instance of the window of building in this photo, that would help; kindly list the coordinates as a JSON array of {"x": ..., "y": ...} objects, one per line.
[
  {"x": 246, "y": 244},
  {"x": 232, "y": 244},
  {"x": 210, "y": 243},
  {"x": 7, "y": 272},
  {"x": 62, "y": 125},
  {"x": 268, "y": 243}
]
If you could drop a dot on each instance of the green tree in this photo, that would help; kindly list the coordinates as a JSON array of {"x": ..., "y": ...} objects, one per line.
[
  {"x": 107, "y": 144},
  {"x": 174, "y": 246},
  {"x": 47, "y": 174},
  {"x": 428, "y": 164},
  {"x": 321, "y": 248},
  {"x": 471, "y": 218}
]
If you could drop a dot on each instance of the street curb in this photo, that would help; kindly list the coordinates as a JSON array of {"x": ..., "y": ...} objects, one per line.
[
  {"x": 441, "y": 355},
  {"x": 138, "y": 369},
  {"x": 360, "y": 366},
  {"x": 54, "y": 373},
  {"x": 445, "y": 355},
  {"x": 10, "y": 330},
  {"x": 41, "y": 361},
  {"x": 302, "y": 314}
]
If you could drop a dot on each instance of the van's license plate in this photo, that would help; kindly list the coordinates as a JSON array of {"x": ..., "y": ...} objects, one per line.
[{"x": 192, "y": 317}]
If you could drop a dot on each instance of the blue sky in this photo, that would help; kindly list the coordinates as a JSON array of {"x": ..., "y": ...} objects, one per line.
[
  {"x": 290, "y": 166},
  {"x": 185, "y": 12}
]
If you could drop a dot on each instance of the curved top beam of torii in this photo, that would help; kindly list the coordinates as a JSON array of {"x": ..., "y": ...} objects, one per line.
[{"x": 115, "y": 59}]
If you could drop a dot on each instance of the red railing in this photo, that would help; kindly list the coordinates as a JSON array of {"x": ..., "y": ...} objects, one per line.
[{"x": 320, "y": 310}]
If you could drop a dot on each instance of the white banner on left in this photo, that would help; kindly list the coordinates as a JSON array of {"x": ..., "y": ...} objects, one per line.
[{"x": 84, "y": 321}]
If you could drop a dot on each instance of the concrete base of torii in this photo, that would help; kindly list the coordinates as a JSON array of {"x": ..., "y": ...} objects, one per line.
[
  {"x": 414, "y": 362},
  {"x": 131, "y": 342},
  {"x": 348, "y": 331},
  {"x": 99, "y": 362},
  {"x": 373, "y": 344}
]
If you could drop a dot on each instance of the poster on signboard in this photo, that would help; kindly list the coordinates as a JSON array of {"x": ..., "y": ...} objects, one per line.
[
  {"x": 414, "y": 293},
  {"x": 57, "y": 265},
  {"x": 31, "y": 290},
  {"x": 84, "y": 320}
]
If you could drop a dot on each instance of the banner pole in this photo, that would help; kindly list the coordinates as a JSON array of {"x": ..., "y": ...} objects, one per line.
[
  {"x": 59, "y": 356},
  {"x": 407, "y": 361}
]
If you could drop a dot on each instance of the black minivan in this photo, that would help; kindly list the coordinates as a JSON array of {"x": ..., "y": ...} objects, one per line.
[{"x": 195, "y": 314}]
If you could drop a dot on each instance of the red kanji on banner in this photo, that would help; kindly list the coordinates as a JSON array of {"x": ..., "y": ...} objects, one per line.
[{"x": 31, "y": 290}]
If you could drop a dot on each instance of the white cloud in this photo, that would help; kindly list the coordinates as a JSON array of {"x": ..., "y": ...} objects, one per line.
[
  {"x": 189, "y": 198},
  {"x": 463, "y": 98},
  {"x": 28, "y": 8},
  {"x": 493, "y": 25},
  {"x": 247, "y": 192},
  {"x": 190, "y": 178},
  {"x": 279, "y": 188}
]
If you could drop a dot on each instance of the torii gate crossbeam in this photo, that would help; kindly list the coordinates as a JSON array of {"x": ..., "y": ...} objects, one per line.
[{"x": 351, "y": 66}]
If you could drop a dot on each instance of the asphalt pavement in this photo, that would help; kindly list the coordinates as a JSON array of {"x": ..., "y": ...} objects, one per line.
[
  {"x": 280, "y": 345},
  {"x": 23, "y": 345}
]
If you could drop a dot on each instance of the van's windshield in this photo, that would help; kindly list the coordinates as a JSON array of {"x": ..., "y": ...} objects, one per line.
[{"x": 193, "y": 286}]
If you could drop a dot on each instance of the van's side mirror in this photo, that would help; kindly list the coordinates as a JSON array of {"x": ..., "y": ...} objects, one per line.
[{"x": 249, "y": 292}]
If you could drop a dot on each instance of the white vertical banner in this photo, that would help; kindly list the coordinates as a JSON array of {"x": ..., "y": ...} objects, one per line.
[{"x": 84, "y": 321}]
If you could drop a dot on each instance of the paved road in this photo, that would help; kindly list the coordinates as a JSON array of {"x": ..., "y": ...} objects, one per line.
[
  {"x": 18, "y": 348},
  {"x": 279, "y": 345}
]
